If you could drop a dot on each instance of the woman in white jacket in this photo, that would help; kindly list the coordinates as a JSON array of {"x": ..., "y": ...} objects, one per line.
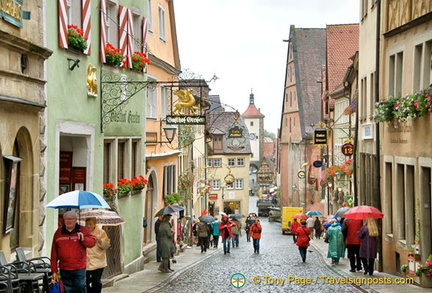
[{"x": 96, "y": 256}]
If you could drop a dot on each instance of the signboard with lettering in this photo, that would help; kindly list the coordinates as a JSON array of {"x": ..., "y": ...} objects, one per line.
[
  {"x": 347, "y": 149},
  {"x": 213, "y": 196},
  {"x": 320, "y": 136},
  {"x": 65, "y": 167},
  {"x": 186, "y": 119},
  {"x": 10, "y": 11}
]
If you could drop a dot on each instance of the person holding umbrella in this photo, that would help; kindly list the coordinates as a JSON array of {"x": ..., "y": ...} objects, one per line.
[
  {"x": 294, "y": 226},
  {"x": 215, "y": 232},
  {"x": 303, "y": 239},
  {"x": 368, "y": 247},
  {"x": 68, "y": 252},
  {"x": 317, "y": 228},
  {"x": 96, "y": 256},
  {"x": 350, "y": 228}
]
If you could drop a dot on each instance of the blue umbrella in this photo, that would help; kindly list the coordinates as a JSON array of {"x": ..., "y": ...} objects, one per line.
[
  {"x": 78, "y": 199},
  {"x": 313, "y": 213}
]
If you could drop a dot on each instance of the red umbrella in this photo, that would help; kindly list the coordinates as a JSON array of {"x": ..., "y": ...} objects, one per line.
[
  {"x": 300, "y": 216},
  {"x": 363, "y": 212}
]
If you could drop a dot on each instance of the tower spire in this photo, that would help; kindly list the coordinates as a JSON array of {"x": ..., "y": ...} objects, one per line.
[{"x": 251, "y": 97}]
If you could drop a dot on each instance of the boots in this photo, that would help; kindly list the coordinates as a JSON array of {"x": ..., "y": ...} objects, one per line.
[{"x": 165, "y": 265}]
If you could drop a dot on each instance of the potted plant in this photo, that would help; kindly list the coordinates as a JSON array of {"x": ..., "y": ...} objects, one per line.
[
  {"x": 172, "y": 198},
  {"x": 76, "y": 39},
  {"x": 113, "y": 55},
  {"x": 139, "y": 61},
  {"x": 138, "y": 183},
  {"x": 109, "y": 190},
  {"x": 425, "y": 269}
]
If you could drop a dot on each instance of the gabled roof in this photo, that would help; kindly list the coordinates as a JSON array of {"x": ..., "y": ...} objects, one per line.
[
  {"x": 342, "y": 44},
  {"x": 309, "y": 51},
  {"x": 218, "y": 123}
]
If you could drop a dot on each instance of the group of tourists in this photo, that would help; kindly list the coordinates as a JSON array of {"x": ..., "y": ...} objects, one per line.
[
  {"x": 78, "y": 254},
  {"x": 357, "y": 236}
]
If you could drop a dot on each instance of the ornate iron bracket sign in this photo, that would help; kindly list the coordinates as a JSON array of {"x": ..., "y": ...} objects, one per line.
[{"x": 117, "y": 90}]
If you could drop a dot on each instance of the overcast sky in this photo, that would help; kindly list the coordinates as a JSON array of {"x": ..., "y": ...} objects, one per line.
[{"x": 241, "y": 41}]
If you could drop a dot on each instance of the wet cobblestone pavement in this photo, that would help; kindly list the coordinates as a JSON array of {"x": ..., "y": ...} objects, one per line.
[{"x": 278, "y": 268}]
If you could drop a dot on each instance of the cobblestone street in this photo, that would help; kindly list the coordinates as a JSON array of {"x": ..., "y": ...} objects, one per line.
[{"x": 279, "y": 260}]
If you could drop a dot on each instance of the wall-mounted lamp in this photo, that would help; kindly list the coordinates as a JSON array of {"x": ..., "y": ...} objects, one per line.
[
  {"x": 74, "y": 64},
  {"x": 330, "y": 185},
  {"x": 170, "y": 131}
]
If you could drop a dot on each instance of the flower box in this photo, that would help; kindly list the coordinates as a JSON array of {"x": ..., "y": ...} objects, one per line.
[
  {"x": 113, "y": 55},
  {"x": 139, "y": 61},
  {"x": 76, "y": 39}
]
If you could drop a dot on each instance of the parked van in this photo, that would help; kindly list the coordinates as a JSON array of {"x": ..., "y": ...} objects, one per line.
[{"x": 287, "y": 218}]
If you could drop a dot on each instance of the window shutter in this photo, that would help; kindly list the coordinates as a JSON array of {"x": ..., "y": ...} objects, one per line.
[
  {"x": 125, "y": 34},
  {"x": 86, "y": 24},
  {"x": 144, "y": 38},
  {"x": 62, "y": 17},
  {"x": 103, "y": 37}
]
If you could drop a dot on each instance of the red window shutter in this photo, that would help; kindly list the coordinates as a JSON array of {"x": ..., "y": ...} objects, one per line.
[
  {"x": 62, "y": 17},
  {"x": 103, "y": 19},
  {"x": 86, "y": 23}
]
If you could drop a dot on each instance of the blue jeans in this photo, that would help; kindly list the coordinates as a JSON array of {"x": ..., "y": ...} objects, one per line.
[
  {"x": 256, "y": 245},
  {"x": 226, "y": 244},
  {"x": 235, "y": 240},
  {"x": 74, "y": 281}
]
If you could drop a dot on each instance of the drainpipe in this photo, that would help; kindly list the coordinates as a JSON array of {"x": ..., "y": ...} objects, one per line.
[{"x": 376, "y": 200}]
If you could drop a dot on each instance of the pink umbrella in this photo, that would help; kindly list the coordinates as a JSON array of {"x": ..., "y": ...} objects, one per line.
[
  {"x": 300, "y": 216},
  {"x": 363, "y": 212}
]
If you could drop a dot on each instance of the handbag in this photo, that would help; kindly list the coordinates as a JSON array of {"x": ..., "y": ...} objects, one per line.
[
  {"x": 306, "y": 234},
  {"x": 54, "y": 287}
]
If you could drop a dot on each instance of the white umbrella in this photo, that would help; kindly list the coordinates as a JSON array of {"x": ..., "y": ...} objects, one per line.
[
  {"x": 103, "y": 217},
  {"x": 78, "y": 199}
]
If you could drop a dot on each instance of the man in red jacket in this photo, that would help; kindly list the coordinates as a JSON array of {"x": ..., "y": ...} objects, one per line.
[
  {"x": 349, "y": 230},
  {"x": 294, "y": 226},
  {"x": 69, "y": 253}
]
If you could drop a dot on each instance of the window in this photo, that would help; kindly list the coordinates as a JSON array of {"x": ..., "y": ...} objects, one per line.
[
  {"x": 169, "y": 179},
  {"x": 422, "y": 66},
  {"x": 112, "y": 31},
  {"x": 161, "y": 23},
  {"x": 151, "y": 102},
  {"x": 240, "y": 161},
  {"x": 395, "y": 74},
  {"x": 238, "y": 184},
  {"x": 137, "y": 33},
  {"x": 217, "y": 143},
  {"x": 215, "y": 184},
  {"x": 74, "y": 12},
  {"x": 231, "y": 162},
  {"x": 149, "y": 16},
  {"x": 217, "y": 162},
  {"x": 251, "y": 123},
  {"x": 209, "y": 162}
]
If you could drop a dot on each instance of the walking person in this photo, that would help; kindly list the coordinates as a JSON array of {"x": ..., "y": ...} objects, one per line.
[
  {"x": 249, "y": 222},
  {"x": 368, "y": 247},
  {"x": 203, "y": 232},
  {"x": 215, "y": 232},
  {"x": 68, "y": 252},
  {"x": 350, "y": 228},
  {"x": 336, "y": 248},
  {"x": 303, "y": 240},
  {"x": 166, "y": 234},
  {"x": 310, "y": 224},
  {"x": 158, "y": 246},
  {"x": 255, "y": 232},
  {"x": 96, "y": 256},
  {"x": 294, "y": 226},
  {"x": 236, "y": 231},
  {"x": 226, "y": 233},
  {"x": 318, "y": 228}
]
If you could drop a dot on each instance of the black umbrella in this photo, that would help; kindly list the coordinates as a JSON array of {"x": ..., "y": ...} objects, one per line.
[
  {"x": 169, "y": 210},
  {"x": 206, "y": 219},
  {"x": 237, "y": 216},
  {"x": 341, "y": 212}
]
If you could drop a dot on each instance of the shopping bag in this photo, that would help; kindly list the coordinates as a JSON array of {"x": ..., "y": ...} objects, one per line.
[{"x": 54, "y": 287}]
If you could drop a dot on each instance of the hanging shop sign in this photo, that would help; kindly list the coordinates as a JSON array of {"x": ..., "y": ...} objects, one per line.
[
  {"x": 317, "y": 164},
  {"x": 347, "y": 149},
  {"x": 236, "y": 134},
  {"x": 301, "y": 174},
  {"x": 11, "y": 11},
  {"x": 320, "y": 136},
  {"x": 186, "y": 120}
]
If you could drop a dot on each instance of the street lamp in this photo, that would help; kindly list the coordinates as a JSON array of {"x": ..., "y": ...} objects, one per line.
[{"x": 170, "y": 131}]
